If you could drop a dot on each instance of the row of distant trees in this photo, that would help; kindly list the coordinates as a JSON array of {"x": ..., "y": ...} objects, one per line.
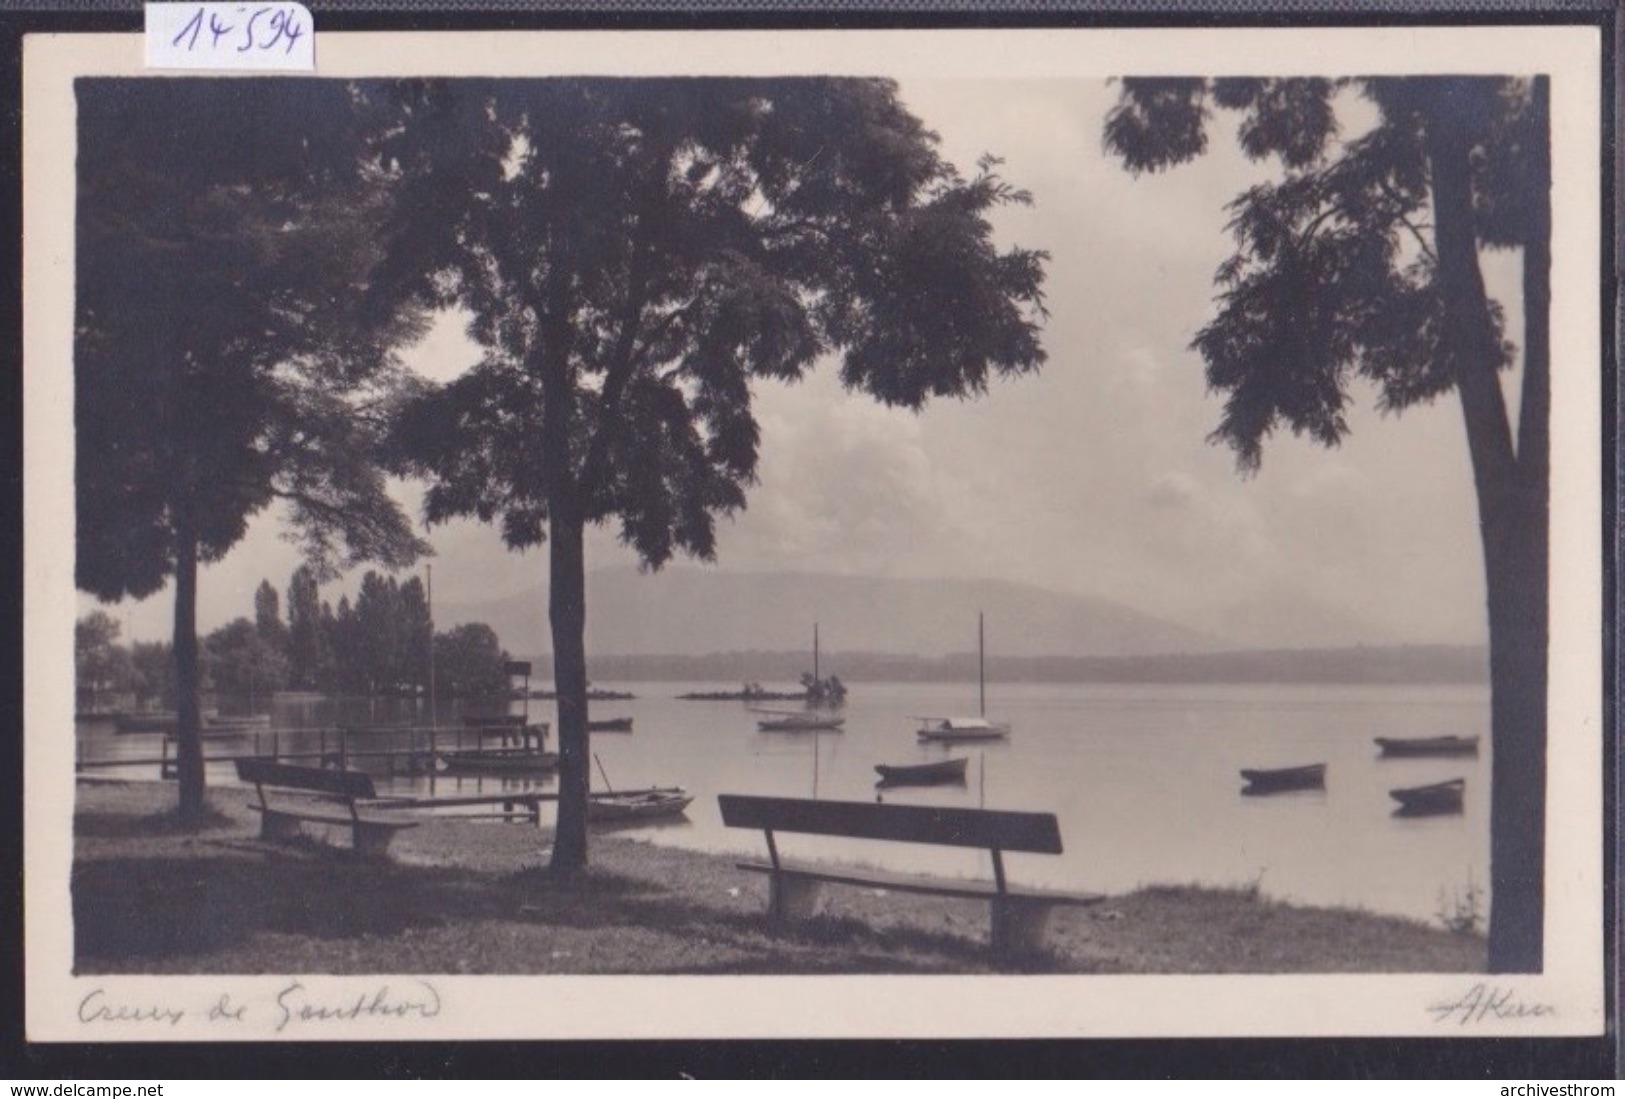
[{"x": 379, "y": 644}]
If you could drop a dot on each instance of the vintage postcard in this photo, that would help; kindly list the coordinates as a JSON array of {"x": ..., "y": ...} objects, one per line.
[{"x": 967, "y": 533}]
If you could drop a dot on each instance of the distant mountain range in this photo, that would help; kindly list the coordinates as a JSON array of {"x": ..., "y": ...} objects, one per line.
[
  {"x": 1388, "y": 664},
  {"x": 687, "y": 624},
  {"x": 692, "y": 611}
]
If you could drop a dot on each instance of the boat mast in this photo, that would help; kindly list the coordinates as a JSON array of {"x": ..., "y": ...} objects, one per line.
[{"x": 981, "y": 670}]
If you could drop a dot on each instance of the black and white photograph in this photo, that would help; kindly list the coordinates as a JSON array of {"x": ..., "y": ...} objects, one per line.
[{"x": 783, "y": 534}]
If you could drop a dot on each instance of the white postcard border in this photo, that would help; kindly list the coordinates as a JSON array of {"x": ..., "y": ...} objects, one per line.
[{"x": 901, "y": 1007}]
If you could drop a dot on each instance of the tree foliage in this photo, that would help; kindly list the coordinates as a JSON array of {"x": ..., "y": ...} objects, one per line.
[
  {"x": 228, "y": 342},
  {"x": 634, "y": 255},
  {"x": 153, "y": 673},
  {"x": 1361, "y": 262},
  {"x": 665, "y": 242},
  {"x": 240, "y": 661},
  {"x": 100, "y": 664},
  {"x": 218, "y": 291},
  {"x": 309, "y": 644},
  {"x": 470, "y": 662}
]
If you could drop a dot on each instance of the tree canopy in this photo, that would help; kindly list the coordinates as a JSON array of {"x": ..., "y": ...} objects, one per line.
[
  {"x": 1362, "y": 262},
  {"x": 229, "y": 344},
  {"x": 220, "y": 327},
  {"x": 634, "y": 255}
]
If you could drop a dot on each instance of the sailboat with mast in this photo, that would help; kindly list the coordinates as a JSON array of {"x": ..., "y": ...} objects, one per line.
[
  {"x": 801, "y": 721},
  {"x": 950, "y": 729}
]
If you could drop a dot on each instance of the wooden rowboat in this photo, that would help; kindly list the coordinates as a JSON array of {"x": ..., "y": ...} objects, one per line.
[
  {"x": 1428, "y": 746},
  {"x": 1282, "y": 779},
  {"x": 610, "y": 725},
  {"x": 941, "y": 773},
  {"x": 499, "y": 761},
  {"x": 630, "y": 805},
  {"x": 800, "y": 723},
  {"x": 1436, "y": 799}
]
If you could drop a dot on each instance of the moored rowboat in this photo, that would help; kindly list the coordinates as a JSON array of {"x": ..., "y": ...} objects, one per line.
[
  {"x": 499, "y": 761},
  {"x": 800, "y": 723},
  {"x": 1428, "y": 746},
  {"x": 940, "y": 773},
  {"x": 1432, "y": 800},
  {"x": 1282, "y": 779},
  {"x": 638, "y": 804}
]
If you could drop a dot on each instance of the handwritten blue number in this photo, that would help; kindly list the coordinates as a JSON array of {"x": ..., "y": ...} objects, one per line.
[
  {"x": 282, "y": 26},
  {"x": 286, "y": 26},
  {"x": 248, "y": 31},
  {"x": 218, "y": 29},
  {"x": 194, "y": 25}
]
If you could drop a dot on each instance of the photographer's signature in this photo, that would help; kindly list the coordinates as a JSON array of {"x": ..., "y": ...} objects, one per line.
[{"x": 1488, "y": 1003}]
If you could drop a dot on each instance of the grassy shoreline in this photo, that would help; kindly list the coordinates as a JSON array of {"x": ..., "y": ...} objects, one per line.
[{"x": 459, "y": 897}]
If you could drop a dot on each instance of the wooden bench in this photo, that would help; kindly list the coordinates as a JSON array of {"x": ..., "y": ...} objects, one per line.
[
  {"x": 330, "y": 797},
  {"x": 1019, "y": 916}
]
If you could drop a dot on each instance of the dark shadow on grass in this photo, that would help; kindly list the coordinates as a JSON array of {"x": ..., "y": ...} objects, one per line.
[
  {"x": 139, "y": 913},
  {"x": 823, "y": 944},
  {"x": 129, "y": 910},
  {"x": 112, "y": 825}
]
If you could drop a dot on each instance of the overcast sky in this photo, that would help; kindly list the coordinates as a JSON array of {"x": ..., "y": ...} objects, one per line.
[{"x": 1093, "y": 476}]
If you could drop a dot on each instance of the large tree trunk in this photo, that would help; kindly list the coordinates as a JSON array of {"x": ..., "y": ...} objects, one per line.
[
  {"x": 567, "y": 575},
  {"x": 188, "y": 736},
  {"x": 567, "y": 614},
  {"x": 1517, "y": 834},
  {"x": 1511, "y": 524}
]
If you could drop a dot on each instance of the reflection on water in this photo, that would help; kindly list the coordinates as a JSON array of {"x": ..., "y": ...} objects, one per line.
[{"x": 1144, "y": 779}]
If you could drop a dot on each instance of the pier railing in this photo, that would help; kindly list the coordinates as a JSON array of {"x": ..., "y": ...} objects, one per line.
[{"x": 334, "y": 746}]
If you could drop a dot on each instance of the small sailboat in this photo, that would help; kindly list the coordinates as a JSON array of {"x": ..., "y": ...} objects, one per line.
[
  {"x": 802, "y": 721},
  {"x": 949, "y": 729}
]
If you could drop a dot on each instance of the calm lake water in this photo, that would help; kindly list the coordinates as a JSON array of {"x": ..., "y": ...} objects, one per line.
[{"x": 1143, "y": 779}]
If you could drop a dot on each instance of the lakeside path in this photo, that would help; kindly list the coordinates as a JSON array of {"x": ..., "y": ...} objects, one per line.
[{"x": 465, "y": 897}]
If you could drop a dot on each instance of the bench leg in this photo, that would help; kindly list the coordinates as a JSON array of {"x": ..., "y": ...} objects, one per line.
[
  {"x": 1019, "y": 924},
  {"x": 371, "y": 839},
  {"x": 792, "y": 898},
  {"x": 280, "y": 827}
]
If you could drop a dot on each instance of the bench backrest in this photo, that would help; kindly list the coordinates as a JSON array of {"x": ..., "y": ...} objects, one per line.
[
  {"x": 324, "y": 780},
  {"x": 994, "y": 829}
]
